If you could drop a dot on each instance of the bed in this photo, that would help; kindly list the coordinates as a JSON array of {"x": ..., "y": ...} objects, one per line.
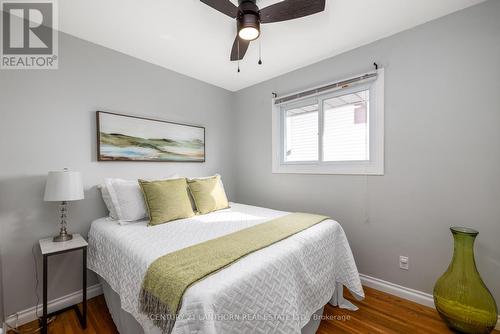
[{"x": 281, "y": 288}]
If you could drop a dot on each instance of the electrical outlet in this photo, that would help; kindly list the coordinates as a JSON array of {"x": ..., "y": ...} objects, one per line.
[{"x": 404, "y": 262}]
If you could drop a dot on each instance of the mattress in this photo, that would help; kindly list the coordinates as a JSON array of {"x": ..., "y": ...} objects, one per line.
[{"x": 276, "y": 289}]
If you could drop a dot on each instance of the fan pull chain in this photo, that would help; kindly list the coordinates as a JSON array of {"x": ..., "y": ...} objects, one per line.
[
  {"x": 238, "y": 55},
  {"x": 260, "y": 51}
]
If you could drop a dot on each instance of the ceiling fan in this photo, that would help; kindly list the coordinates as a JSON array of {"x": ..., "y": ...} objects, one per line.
[{"x": 249, "y": 17}]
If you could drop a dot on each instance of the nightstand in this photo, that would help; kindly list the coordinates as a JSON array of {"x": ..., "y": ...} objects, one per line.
[{"x": 49, "y": 248}]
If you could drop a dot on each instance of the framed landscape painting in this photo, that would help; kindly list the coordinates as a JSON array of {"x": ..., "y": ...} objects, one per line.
[{"x": 131, "y": 138}]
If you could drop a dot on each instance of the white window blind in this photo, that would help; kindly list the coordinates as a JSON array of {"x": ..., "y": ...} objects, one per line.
[{"x": 302, "y": 134}]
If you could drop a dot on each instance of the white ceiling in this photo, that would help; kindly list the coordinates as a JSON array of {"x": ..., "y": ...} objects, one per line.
[{"x": 191, "y": 38}]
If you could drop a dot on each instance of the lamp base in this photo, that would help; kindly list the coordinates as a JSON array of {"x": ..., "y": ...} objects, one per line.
[
  {"x": 63, "y": 234},
  {"x": 62, "y": 237}
]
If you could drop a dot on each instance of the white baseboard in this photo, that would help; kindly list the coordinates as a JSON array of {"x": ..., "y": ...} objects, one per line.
[
  {"x": 398, "y": 290},
  {"x": 416, "y": 296},
  {"x": 29, "y": 314}
]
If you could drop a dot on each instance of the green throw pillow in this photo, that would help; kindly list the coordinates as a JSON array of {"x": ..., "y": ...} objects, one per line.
[
  {"x": 208, "y": 194},
  {"x": 166, "y": 200}
]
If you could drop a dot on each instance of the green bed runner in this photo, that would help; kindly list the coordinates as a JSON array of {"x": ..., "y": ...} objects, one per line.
[{"x": 168, "y": 277}]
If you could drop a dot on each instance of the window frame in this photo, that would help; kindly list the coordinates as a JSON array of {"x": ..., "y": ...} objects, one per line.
[{"x": 373, "y": 166}]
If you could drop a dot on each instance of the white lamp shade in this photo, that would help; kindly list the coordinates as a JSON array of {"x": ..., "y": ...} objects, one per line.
[{"x": 63, "y": 186}]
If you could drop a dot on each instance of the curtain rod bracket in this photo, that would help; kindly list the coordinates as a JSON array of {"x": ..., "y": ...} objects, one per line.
[
  {"x": 376, "y": 66},
  {"x": 274, "y": 95}
]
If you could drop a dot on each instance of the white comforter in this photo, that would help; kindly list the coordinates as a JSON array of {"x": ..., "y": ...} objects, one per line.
[{"x": 274, "y": 290}]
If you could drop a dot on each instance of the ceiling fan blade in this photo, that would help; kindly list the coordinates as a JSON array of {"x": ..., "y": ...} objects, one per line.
[
  {"x": 291, "y": 9},
  {"x": 243, "y": 49},
  {"x": 223, "y": 6}
]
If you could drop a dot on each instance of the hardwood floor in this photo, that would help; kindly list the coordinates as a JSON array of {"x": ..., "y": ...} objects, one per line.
[
  {"x": 378, "y": 313},
  {"x": 98, "y": 321}
]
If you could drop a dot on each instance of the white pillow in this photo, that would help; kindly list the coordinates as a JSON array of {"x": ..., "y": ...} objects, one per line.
[
  {"x": 127, "y": 199},
  {"x": 107, "y": 200}
]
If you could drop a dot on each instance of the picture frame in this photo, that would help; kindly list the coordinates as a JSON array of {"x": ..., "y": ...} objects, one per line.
[{"x": 123, "y": 137}]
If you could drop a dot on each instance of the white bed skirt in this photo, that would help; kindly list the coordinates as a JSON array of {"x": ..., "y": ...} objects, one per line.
[{"x": 126, "y": 323}]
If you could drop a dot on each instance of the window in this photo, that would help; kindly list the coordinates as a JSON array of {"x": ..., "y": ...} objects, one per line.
[{"x": 336, "y": 132}]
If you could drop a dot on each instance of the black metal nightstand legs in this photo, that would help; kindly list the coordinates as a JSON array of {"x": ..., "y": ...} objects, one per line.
[
  {"x": 82, "y": 316},
  {"x": 44, "y": 316},
  {"x": 84, "y": 289}
]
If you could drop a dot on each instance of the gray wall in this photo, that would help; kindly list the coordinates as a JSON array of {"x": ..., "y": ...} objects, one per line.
[
  {"x": 48, "y": 122},
  {"x": 442, "y": 150}
]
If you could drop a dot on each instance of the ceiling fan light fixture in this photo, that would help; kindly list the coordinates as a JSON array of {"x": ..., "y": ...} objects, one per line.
[
  {"x": 249, "y": 33},
  {"x": 249, "y": 27}
]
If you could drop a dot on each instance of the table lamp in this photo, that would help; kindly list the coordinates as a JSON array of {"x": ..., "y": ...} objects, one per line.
[{"x": 63, "y": 186}]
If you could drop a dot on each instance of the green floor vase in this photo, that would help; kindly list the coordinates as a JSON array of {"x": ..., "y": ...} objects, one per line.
[{"x": 461, "y": 297}]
